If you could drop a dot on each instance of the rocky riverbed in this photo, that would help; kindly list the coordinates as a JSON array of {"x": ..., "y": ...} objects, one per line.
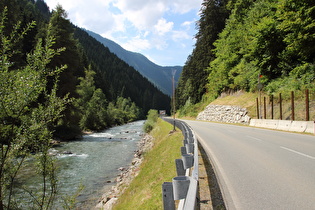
[{"x": 126, "y": 176}]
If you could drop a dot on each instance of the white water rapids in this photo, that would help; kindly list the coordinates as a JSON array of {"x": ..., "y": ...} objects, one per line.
[{"x": 93, "y": 162}]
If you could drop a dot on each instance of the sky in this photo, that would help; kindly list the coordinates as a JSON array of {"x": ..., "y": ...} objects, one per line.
[{"x": 162, "y": 30}]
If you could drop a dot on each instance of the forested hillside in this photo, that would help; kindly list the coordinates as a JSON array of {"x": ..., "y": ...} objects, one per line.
[
  {"x": 241, "y": 40},
  {"x": 55, "y": 82},
  {"x": 117, "y": 78},
  {"x": 100, "y": 89},
  {"x": 160, "y": 76}
]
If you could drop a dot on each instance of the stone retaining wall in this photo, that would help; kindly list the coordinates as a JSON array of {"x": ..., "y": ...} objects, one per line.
[{"x": 224, "y": 113}]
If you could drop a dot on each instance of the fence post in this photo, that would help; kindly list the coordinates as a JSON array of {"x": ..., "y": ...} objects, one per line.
[
  {"x": 307, "y": 105},
  {"x": 265, "y": 114},
  {"x": 257, "y": 105},
  {"x": 280, "y": 103},
  {"x": 168, "y": 196},
  {"x": 292, "y": 105},
  {"x": 271, "y": 101}
]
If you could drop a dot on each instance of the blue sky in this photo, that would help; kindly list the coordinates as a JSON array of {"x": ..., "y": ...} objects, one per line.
[{"x": 162, "y": 30}]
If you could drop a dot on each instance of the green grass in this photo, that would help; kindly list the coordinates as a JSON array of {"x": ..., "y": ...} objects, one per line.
[{"x": 145, "y": 191}]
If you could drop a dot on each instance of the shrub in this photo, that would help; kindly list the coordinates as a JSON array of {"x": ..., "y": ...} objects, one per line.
[{"x": 151, "y": 120}]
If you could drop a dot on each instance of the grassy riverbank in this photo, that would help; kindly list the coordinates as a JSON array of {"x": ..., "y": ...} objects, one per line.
[{"x": 145, "y": 191}]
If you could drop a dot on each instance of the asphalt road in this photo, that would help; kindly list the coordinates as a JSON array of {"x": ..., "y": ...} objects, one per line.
[{"x": 259, "y": 168}]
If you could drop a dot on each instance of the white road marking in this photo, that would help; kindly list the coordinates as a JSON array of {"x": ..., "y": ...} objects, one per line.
[
  {"x": 254, "y": 138},
  {"x": 300, "y": 153}
]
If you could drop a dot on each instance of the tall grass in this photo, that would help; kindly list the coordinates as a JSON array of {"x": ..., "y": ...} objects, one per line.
[{"x": 145, "y": 191}]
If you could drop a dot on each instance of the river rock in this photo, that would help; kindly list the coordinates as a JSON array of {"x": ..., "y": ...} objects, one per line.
[{"x": 126, "y": 176}]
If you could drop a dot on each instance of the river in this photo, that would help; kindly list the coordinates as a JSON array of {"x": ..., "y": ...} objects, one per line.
[{"x": 94, "y": 162}]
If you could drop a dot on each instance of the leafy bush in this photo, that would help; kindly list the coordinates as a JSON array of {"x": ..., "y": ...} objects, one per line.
[
  {"x": 151, "y": 120},
  {"x": 28, "y": 111}
]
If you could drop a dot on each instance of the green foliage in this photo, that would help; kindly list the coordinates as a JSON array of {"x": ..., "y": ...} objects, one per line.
[
  {"x": 194, "y": 77},
  {"x": 96, "y": 113},
  {"x": 152, "y": 118},
  {"x": 186, "y": 109},
  {"x": 45, "y": 93},
  {"x": 62, "y": 29},
  {"x": 26, "y": 121},
  {"x": 270, "y": 38},
  {"x": 122, "y": 111},
  {"x": 144, "y": 192},
  {"x": 300, "y": 78},
  {"x": 91, "y": 103},
  {"x": 117, "y": 79}
]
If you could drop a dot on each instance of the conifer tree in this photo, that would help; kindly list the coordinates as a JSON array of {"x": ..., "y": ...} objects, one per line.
[
  {"x": 192, "y": 83},
  {"x": 62, "y": 30}
]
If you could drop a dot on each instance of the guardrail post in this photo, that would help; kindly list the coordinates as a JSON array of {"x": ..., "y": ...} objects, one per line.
[
  {"x": 183, "y": 150},
  {"x": 190, "y": 148},
  {"x": 180, "y": 187},
  {"x": 188, "y": 160},
  {"x": 185, "y": 142},
  {"x": 180, "y": 167},
  {"x": 190, "y": 140},
  {"x": 168, "y": 196}
]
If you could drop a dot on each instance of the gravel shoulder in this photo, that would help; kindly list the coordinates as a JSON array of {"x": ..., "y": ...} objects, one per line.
[{"x": 210, "y": 196}]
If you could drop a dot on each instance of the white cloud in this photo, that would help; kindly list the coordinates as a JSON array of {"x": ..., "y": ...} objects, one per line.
[
  {"x": 137, "y": 44},
  {"x": 162, "y": 27},
  {"x": 187, "y": 24},
  {"x": 143, "y": 14},
  {"x": 183, "y": 6},
  {"x": 137, "y": 25},
  {"x": 180, "y": 35}
]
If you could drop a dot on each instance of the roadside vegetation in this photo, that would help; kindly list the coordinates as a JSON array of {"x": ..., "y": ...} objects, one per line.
[
  {"x": 248, "y": 100},
  {"x": 249, "y": 42},
  {"x": 152, "y": 118},
  {"x": 145, "y": 191}
]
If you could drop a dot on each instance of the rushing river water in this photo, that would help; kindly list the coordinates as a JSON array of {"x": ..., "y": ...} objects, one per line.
[{"x": 94, "y": 160}]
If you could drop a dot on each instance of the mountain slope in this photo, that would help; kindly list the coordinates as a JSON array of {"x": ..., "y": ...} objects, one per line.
[
  {"x": 116, "y": 78},
  {"x": 160, "y": 76}
]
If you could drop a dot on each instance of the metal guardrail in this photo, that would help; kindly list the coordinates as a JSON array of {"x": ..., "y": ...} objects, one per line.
[{"x": 184, "y": 186}]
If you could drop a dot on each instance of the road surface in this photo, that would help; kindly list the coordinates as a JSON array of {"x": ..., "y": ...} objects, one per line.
[{"x": 259, "y": 168}]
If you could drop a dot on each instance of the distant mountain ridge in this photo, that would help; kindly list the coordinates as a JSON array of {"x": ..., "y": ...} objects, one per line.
[{"x": 160, "y": 76}]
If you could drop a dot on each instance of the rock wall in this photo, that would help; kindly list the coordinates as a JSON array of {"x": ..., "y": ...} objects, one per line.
[{"x": 224, "y": 113}]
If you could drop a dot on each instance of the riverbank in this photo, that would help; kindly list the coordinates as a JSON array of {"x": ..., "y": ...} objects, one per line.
[
  {"x": 157, "y": 166},
  {"x": 126, "y": 176}
]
